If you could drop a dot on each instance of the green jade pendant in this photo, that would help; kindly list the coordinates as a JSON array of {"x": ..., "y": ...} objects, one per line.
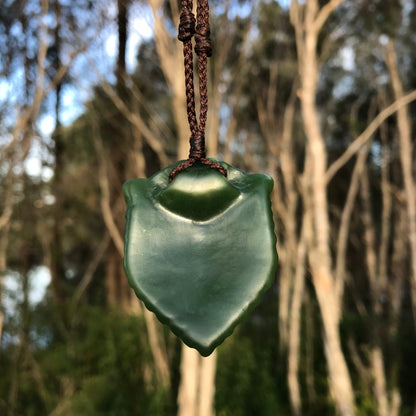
[{"x": 200, "y": 251}]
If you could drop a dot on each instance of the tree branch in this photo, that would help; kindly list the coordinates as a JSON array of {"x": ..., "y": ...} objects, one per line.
[
  {"x": 366, "y": 135},
  {"x": 325, "y": 12},
  {"x": 92, "y": 267},
  {"x": 138, "y": 122},
  {"x": 105, "y": 194}
]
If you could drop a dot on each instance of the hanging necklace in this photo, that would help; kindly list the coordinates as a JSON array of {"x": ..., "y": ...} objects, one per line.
[
  {"x": 200, "y": 248},
  {"x": 203, "y": 49}
]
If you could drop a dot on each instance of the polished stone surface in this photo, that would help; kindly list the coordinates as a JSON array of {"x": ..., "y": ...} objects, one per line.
[{"x": 200, "y": 251}]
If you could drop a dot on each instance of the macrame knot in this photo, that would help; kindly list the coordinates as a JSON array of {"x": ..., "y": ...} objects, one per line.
[
  {"x": 197, "y": 150},
  {"x": 202, "y": 40},
  {"x": 186, "y": 25}
]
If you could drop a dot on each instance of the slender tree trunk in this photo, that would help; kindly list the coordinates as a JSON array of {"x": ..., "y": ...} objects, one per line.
[
  {"x": 197, "y": 388},
  {"x": 158, "y": 350},
  {"x": 170, "y": 55},
  {"x": 188, "y": 389},
  {"x": 207, "y": 385},
  {"x": 315, "y": 200},
  {"x": 310, "y": 349},
  {"x": 122, "y": 22},
  {"x": 339, "y": 379},
  {"x": 4, "y": 240},
  {"x": 383, "y": 252},
  {"x": 387, "y": 405},
  {"x": 294, "y": 330},
  {"x": 110, "y": 273},
  {"x": 406, "y": 156},
  {"x": 57, "y": 268},
  {"x": 23, "y": 346}
]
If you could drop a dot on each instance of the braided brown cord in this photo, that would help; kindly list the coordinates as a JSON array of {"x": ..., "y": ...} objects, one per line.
[
  {"x": 186, "y": 32},
  {"x": 204, "y": 50}
]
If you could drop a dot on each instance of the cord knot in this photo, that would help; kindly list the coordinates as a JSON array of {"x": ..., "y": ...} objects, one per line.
[
  {"x": 197, "y": 150},
  {"x": 186, "y": 25},
  {"x": 203, "y": 40}
]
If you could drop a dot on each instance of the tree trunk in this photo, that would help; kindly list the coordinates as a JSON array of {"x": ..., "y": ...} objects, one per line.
[
  {"x": 170, "y": 55},
  {"x": 315, "y": 201},
  {"x": 339, "y": 378},
  {"x": 158, "y": 352},
  {"x": 207, "y": 385},
  {"x": 406, "y": 155},
  {"x": 386, "y": 405},
  {"x": 4, "y": 240},
  {"x": 112, "y": 291},
  {"x": 188, "y": 389},
  {"x": 122, "y": 22},
  {"x": 197, "y": 387},
  {"x": 57, "y": 267},
  {"x": 294, "y": 331}
]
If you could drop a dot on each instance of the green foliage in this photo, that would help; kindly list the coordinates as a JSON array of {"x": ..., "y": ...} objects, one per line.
[
  {"x": 100, "y": 367},
  {"x": 245, "y": 385},
  {"x": 250, "y": 374}
]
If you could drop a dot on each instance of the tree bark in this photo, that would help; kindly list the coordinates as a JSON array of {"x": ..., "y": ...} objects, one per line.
[
  {"x": 4, "y": 240},
  {"x": 387, "y": 405},
  {"x": 188, "y": 388},
  {"x": 406, "y": 155},
  {"x": 207, "y": 385},
  {"x": 170, "y": 55},
  {"x": 294, "y": 330},
  {"x": 159, "y": 355},
  {"x": 315, "y": 202},
  {"x": 197, "y": 386},
  {"x": 122, "y": 22}
]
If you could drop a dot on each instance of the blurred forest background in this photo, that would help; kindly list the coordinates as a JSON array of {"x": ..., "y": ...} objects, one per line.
[{"x": 318, "y": 94}]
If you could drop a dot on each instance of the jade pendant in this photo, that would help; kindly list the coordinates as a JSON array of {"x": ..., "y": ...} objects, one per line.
[{"x": 200, "y": 251}]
